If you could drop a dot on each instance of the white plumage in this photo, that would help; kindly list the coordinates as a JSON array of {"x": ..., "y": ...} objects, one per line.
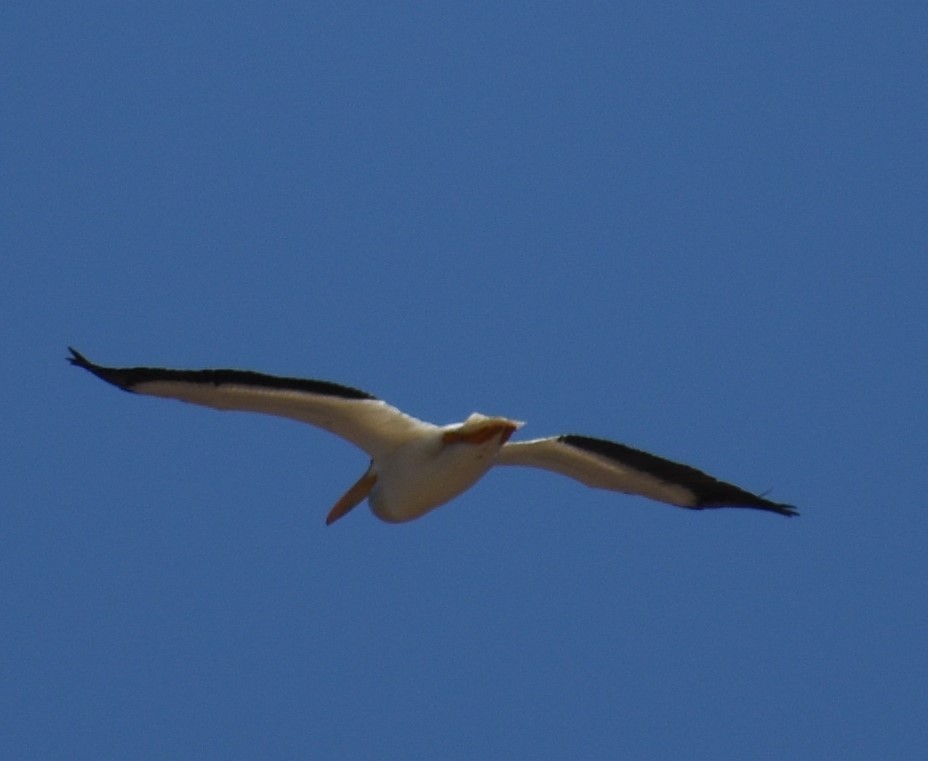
[{"x": 417, "y": 466}]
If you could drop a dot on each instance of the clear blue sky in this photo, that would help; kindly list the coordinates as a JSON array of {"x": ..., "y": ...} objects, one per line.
[{"x": 701, "y": 231}]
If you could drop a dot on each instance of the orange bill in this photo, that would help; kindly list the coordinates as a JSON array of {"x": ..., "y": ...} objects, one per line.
[{"x": 481, "y": 435}]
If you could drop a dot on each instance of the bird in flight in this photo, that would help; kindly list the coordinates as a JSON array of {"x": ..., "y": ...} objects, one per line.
[{"x": 417, "y": 466}]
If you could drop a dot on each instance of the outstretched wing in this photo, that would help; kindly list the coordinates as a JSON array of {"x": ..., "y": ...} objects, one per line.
[
  {"x": 607, "y": 465},
  {"x": 363, "y": 419}
]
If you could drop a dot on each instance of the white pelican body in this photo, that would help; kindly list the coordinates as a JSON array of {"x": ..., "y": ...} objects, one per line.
[
  {"x": 417, "y": 466},
  {"x": 433, "y": 468}
]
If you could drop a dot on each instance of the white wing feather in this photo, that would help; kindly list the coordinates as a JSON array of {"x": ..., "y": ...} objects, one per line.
[
  {"x": 591, "y": 469},
  {"x": 609, "y": 465},
  {"x": 365, "y": 421}
]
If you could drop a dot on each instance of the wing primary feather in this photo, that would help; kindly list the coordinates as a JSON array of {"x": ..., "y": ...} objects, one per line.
[
  {"x": 361, "y": 418},
  {"x": 127, "y": 378},
  {"x": 604, "y": 464},
  {"x": 707, "y": 491}
]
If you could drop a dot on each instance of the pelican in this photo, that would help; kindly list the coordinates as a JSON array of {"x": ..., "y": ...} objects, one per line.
[{"x": 417, "y": 466}]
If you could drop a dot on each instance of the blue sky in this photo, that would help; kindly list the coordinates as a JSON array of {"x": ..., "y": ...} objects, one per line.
[{"x": 699, "y": 230}]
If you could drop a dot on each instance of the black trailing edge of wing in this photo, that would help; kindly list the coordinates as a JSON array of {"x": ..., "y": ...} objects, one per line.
[
  {"x": 708, "y": 491},
  {"x": 127, "y": 378}
]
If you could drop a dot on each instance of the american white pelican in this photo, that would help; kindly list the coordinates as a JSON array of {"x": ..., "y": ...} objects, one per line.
[{"x": 417, "y": 466}]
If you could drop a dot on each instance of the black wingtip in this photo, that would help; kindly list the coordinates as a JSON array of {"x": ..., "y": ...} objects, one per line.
[
  {"x": 787, "y": 511},
  {"x": 78, "y": 359},
  {"x": 707, "y": 491},
  {"x": 727, "y": 495},
  {"x": 115, "y": 376},
  {"x": 720, "y": 494},
  {"x": 127, "y": 378}
]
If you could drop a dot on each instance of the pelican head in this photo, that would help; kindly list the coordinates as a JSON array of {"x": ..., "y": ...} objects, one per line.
[{"x": 480, "y": 428}]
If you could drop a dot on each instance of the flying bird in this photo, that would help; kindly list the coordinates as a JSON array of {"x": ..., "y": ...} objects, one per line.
[{"x": 417, "y": 466}]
